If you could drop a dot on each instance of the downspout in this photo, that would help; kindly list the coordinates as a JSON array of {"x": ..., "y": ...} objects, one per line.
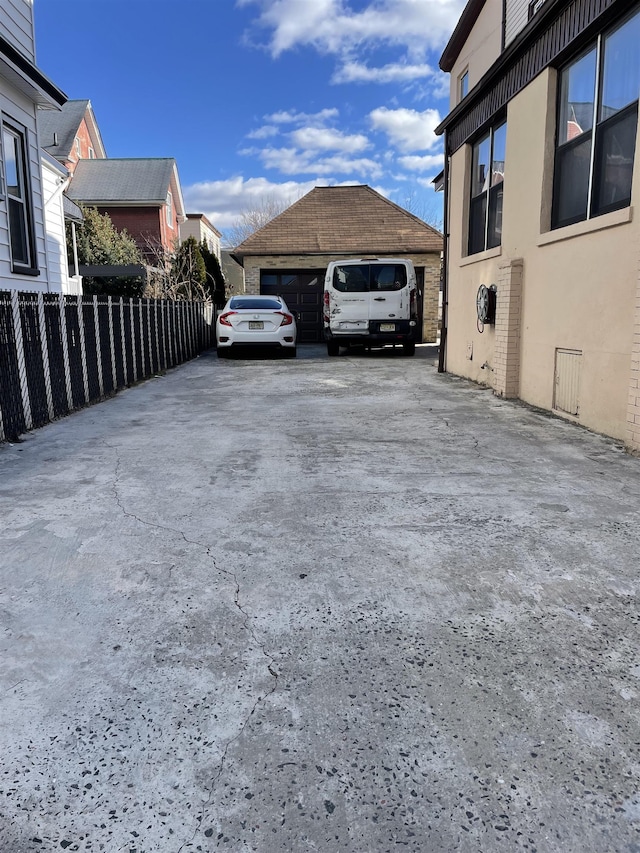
[{"x": 442, "y": 352}]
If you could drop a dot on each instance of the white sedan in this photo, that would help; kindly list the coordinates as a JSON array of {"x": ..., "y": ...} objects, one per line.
[{"x": 256, "y": 321}]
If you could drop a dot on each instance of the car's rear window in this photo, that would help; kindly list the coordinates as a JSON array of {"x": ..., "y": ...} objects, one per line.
[
  {"x": 361, "y": 278},
  {"x": 249, "y": 304}
]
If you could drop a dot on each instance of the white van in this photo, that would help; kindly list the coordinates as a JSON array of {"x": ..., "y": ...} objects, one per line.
[{"x": 370, "y": 302}]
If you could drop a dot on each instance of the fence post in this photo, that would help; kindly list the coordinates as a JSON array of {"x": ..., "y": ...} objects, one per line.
[
  {"x": 142, "y": 360},
  {"x": 65, "y": 351},
  {"x": 112, "y": 344},
  {"x": 123, "y": 341},
  {"x": 22, "y": 367},
  {"x": 96, "y": 323},
  {"x": 46, "y": 367},
  {"x": 133, "y": 342},
  {"x": 83, "y": 350}
]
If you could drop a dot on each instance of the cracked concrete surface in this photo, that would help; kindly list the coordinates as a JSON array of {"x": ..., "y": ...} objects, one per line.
[{"x": 341, "y": 605}]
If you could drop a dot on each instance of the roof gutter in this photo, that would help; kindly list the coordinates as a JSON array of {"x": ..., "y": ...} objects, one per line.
[
  {"x": 28, "y": 78},
  {"x": 442, "y": 350}
]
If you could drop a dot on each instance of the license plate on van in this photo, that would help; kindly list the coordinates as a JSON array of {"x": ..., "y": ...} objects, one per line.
[
  {"x": 256, "y": 324},
  {"x": 387, "y": 327}
]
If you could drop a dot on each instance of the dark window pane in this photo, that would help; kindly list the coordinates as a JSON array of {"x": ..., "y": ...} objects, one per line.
[
  {"x": 499, "y": 146},
  {"x": 288, "y": 279},
  {"x": 577, "y": 91},
  {"x": 613, "y": 170},
  {"x": 11, "y": 163},
  {"x": 480, "y": 166},
  {"x": 268, "y": 279},
  {"x": 388, "y": 277},
  {"x": 351, "y": 279},
  {"x": 18, "y": 233},
  {"x": 494, "y": 233},
  {"x": 571, "y": 183},
  {"x": 248, "y": 303},
  {"x": 621, "y": 77},
  {"x": 477, "y": 224}
]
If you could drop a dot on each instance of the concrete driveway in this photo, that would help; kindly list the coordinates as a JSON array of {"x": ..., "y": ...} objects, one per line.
[{"x": 340, "y": 605}]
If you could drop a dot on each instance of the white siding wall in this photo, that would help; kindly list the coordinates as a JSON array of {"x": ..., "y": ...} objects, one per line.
[
  {"x": 517, "y": 16},
  {"x": 198, "y": 229},
  {"x": 16, "y": 25},
  {"x": 16, "y": 106},
  {"x": 52, "y": 182}
]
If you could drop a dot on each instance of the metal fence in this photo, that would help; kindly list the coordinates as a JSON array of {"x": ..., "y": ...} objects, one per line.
[{"x": 61, "y": 353}]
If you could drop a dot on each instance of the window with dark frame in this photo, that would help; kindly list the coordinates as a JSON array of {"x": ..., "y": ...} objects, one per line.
[
  {"x": 534, "y": 7},
  {"x": 463, "y": 85},
  {"x": 19, "y": 201},
  {"x": 487, "y": 183},
  {"x": 597, "y": 122}
]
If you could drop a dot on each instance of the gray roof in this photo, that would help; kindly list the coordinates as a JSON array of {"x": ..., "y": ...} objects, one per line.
[
  {"x": 64, "y": 123},
  {"x": 71, "y": 210},
  {"x": 128, "y": 180}
]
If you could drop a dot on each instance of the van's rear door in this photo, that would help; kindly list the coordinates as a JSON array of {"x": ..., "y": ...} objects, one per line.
[
  {"x": 349, "y": 304},
  {"x": 389, "y": 294}
]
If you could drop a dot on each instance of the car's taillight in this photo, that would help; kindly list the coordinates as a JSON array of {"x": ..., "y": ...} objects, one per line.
[
  {"x": 222, "y": 319},
  {"x": 326, "y": 305},
  {"x": 287, "y": 319}
]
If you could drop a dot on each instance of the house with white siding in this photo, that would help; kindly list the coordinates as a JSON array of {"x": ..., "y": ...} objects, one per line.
[{"x": 24, "y": 89}]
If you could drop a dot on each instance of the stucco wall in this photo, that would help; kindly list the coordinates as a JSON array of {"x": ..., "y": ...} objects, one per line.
[
  {"x": 481, "y": 49},
  {"x": 430, "y": 263},
  {"x": 578, "y": 284}
]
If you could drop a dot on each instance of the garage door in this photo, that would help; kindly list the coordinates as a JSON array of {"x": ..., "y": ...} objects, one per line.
[{"x": 302, "y": 291}]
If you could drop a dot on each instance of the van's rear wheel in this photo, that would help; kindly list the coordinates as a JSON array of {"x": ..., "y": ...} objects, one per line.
[
  {"x": 409, "y": 348},
  {"x": 333, "y": 348}
]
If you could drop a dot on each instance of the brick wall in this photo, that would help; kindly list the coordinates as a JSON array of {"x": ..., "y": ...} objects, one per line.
[
  {"x": 430, "y": 263},
  {"x": 142, "y": 223},
  {"x": 506, "y": 354}
]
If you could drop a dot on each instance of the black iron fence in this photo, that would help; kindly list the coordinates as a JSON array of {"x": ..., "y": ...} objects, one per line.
[{"x": 60, "y": 353}]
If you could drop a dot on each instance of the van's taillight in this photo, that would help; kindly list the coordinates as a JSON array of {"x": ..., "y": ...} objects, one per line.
[
  {"x": 413, "y": 307},
  {"x": 326, "y": 305},
  {"x": 223, "y": 318},
  {"x": 287, "y": 319}
]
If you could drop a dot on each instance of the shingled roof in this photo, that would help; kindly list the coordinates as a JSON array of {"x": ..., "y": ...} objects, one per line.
[
  {"x": 57, "y": 129},
  {"x": 126, "y": 181},
  {"x": 342, "y": 220}
]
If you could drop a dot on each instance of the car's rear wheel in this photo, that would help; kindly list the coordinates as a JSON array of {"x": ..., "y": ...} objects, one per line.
[
  {"x": 333, "y": 348},
  {"x": 409, "y": 348}
]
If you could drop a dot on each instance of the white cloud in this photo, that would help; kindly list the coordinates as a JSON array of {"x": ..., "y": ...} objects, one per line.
[
  {"x": 427, "y": 163},
  {"x": 222, "y": 202},
  {"x": 332, "y": 26},
  {"x": 407, "y": 130},
  {"x": 265, "y": 132},
  {"x": 327, "y": 139},
  {"x": 287, "y": 117},
  {"x": 291, "y": 161},
  {"x": 355, "y": 72}
]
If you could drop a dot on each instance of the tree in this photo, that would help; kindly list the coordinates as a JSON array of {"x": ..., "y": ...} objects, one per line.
[
  {"x": 254, "y": 218},
  {"x": 180, "y": 274},
  {"x": 429, "y": 210},
  {"x": 100, "y": 243},
  {"x": 215, "y": 277}
]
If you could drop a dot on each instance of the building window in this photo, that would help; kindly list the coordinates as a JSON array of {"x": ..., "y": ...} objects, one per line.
[
  {"x": 19, "y": 203},
  {"x": 77, "y": 147},
  {"x": 463, "y": 85},
  {"x": 534, "y": 7},
  {"x": 487, "y": 181},
  {"x": 92, "y": 154},
  {"x": 597, "y": 121},
  {"x": 169, "y": 209}
]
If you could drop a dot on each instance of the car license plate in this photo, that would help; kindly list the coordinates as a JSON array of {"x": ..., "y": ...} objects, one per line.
[
  {"x": 387, "y": 327},
  {"x": 256, "y": 324}
]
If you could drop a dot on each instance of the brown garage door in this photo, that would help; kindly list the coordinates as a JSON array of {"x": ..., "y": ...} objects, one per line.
[{"x": 302, "y": 291}]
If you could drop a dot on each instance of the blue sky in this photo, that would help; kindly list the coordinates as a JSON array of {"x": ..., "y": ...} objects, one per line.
[{"x": 261, "y": 100}]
